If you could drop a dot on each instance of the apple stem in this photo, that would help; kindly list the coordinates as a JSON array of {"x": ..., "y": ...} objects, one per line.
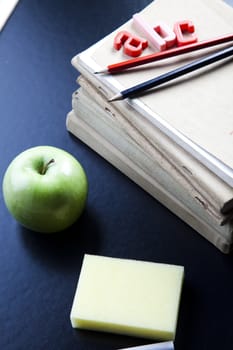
[{"x": 45, "y": 167}]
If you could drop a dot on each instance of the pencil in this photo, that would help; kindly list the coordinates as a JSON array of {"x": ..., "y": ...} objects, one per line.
[
  {"x": 118, "y": 67},
  {"x": 173, "y": 74}
]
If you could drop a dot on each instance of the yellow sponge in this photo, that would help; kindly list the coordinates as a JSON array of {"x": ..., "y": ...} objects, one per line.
[{"x": 129, "y": 297}]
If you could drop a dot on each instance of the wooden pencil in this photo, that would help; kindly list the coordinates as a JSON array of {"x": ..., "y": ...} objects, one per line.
[
  {"x": 173, "y": 74},
  {"x": 120, "y": 66}
]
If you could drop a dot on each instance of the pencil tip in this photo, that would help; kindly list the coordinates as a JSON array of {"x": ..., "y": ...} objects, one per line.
[
  {"x": 116, "y": 98},
  {"x": 102, "y": 71}
]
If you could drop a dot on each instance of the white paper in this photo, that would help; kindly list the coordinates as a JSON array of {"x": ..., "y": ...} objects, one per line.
[
  {"x": 6, "y": 9},
  {"x": 158, "y": 346}
]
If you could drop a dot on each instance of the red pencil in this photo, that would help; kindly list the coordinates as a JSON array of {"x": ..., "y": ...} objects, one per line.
[{"x": 118, "y": 67}]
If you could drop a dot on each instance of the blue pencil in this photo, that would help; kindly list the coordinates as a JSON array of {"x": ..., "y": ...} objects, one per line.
[{"x": 173, "y": 74}]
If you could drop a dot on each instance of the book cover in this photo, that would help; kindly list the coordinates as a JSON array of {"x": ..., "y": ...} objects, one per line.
[{"x": 195, "y": 110}]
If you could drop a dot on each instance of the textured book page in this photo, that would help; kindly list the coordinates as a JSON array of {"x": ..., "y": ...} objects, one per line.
[
  {"x": 197, "y": 180},
  {"x": 85, "y": 133},
  {"x": 198, "y": 105},
  {"x": 133, "y": 146},
  {"x": 6, "y": 8}
]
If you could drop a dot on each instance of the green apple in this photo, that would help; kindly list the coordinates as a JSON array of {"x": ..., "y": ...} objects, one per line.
[{"x": 45, "y": 189}]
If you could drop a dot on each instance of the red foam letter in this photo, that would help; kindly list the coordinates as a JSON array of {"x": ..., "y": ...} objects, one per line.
[
  {"x": 181, "y": 29},
  {"x": 133, "y": 45}
]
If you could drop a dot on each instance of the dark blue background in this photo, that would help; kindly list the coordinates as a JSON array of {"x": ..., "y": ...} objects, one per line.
[{"x": 38, "y": 273}]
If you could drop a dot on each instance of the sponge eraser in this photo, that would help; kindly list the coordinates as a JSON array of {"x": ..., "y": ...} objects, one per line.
[{"x": 126, "y": 296}]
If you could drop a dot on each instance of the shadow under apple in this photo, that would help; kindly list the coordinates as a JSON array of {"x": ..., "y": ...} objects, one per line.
[{"x": 66, "y": 248}]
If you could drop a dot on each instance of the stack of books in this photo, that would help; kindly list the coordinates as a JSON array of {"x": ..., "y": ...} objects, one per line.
[{"x": 175, "y": 141}]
